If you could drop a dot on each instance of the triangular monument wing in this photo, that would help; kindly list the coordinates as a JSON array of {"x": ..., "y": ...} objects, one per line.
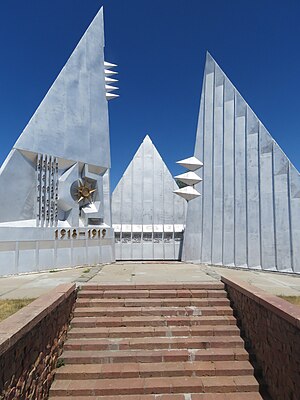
[{"x": 248, "y": 214}]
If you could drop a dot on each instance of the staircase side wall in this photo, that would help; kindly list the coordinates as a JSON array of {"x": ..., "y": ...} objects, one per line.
[
  {"x": 272, "y": 330},
  {"x": 31, "y": 341}
]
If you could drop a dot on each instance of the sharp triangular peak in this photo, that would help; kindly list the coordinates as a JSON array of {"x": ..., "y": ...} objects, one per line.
[
  {"x": 147, "y": 138},
  {"x": 249, "y": 213},
  {"x": 67, "y": 124},
  {"x": 147, "y": 180}
]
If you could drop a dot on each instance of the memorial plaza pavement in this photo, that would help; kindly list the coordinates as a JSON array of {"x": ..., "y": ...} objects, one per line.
[{"x": 35, "y": 284}]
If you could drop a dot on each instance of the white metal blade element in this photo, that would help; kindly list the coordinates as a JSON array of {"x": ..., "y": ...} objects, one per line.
[
  {"x": 110, "y": 88},
  {"x": 188, "y": 193},
  {"x": 109, "y": 65},
  {"x": 109, "y": 72},
  {"x": 110, "y": 80},
  {"x": 111, "y": 96},
  {"x": 190, "y": 178},
  {"x": 191, "y": 163}
]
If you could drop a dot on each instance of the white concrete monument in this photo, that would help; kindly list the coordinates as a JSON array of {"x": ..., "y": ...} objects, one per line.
[
  {"x": 249, "y": 212},
  {"x": 148, "y": 218},
  {"x": 56, "y": 208}
]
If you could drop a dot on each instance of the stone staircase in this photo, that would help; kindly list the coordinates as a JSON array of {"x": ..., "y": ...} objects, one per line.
[{"x": 146, "y": 342}]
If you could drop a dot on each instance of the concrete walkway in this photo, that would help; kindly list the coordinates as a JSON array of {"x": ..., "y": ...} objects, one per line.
[{"x": 33, "y": 285}]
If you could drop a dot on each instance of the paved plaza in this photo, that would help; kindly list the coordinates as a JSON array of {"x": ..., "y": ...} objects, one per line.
[{"x": 35, "y": 284}]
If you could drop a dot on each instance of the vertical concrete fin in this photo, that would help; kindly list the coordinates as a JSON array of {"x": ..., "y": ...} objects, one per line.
[
  {"x": 217, "y": 223},
  {"x": 294, "y": 190},
  {"x": 282, "y": 210},
  {"x": 240, "y": 217},
  {"x": 253, "y": 191}
]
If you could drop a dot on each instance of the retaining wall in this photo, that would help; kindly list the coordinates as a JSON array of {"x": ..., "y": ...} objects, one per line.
[
  {"x": 30, "y": 343},
  {"x": 272, "y": 327}
]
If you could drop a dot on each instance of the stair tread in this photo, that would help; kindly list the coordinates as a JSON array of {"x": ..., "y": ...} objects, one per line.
[
  {"x": 117, "y": 370},
  {"x": 154, "y": 320},
  {"x": 171, "y": 396},
  {"x": 156, "y": 385},
  {"x": 185, "y": 301},
  {"x": 111, "y": 356},
  {"x": 144, "y": 293},
  {"x": 136, "y": 311},
  {"x": 154, "y": 342},
  {"x": 154, "y": 286},
  {"x": 148, "y": 331}
]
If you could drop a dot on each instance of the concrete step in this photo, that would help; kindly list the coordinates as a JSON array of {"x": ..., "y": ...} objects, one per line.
[
  {"x": 155, "y": 286},
  {"x": 147, "y": 302},
  {"x": 154, "y": 331},
  {"x": 150, "y": 356},
  {"x": 130, "y": 386},
  {"x": 144, "y": 294},
  {"x": 194, "y": 342},
  {"x": 90, "y": 322},
  {"x": 185, "y": 396},
  {"x": 144, "y": 370},
  {"x": 145, "y": 311}
]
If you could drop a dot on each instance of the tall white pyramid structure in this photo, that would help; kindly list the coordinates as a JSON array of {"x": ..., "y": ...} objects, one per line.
[
  {"x": 249, "y": 212},
  {"x": 147, "y": 216},
  {"x": 56, "y": 210}
]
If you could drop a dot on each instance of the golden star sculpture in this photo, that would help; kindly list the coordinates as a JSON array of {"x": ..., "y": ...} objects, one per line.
[{"x": 84, "y": 190}]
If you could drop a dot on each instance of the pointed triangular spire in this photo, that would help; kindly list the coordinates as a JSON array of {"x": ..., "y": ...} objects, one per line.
[
  {"x": 147, "y": 139},
  {"x": 71, "y": 121},
  {"x": 144, "y": 193}
]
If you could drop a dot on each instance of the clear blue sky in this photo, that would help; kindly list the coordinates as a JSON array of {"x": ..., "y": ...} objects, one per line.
[{"x": 160, "y": 48}]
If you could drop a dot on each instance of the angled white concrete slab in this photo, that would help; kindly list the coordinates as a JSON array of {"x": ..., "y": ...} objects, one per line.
[{"x": 248, "y": 215}]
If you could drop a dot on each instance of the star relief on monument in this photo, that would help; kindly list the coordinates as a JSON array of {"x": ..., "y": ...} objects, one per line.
[{"x": 85, "y": 190}]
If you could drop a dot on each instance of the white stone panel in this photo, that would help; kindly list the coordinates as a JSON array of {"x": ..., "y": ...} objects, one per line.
[
  {"x": 208, "y": 167},
  {"x": 217, "y": 221},
  {"x": 268, "y": 256},
  {"x": 228, "y": 212},
  {"x": 240, "y": 220},
  {"x": 282, "y": 211},
  {"x": 253, "y": 188}
]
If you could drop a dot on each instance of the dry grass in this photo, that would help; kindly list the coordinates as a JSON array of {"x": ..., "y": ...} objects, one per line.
[
  {"x": 9, "y": 307},
  {"x": 291, "y": 299}
]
